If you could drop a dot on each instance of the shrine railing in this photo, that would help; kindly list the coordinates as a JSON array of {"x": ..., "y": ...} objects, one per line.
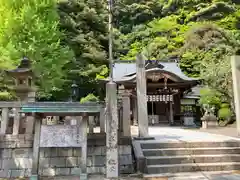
[{"x": 14, "y": 120}]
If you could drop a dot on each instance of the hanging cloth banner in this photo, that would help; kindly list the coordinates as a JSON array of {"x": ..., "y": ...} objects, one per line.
[{"x": 160, "y": 98}]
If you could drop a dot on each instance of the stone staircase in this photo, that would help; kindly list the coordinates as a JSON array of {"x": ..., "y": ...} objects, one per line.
[{"x": 181, "y": 157}]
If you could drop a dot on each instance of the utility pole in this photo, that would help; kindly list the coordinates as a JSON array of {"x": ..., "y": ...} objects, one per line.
[{"x": 112, "y": 170}]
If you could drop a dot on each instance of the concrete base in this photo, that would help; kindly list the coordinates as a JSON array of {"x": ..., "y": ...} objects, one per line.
[
  {"x": 34, "y": 177},
  {"x": 209, "y": 124},
  {"x": 83, "y": 176},
  {"x": 188, "y": 121}
]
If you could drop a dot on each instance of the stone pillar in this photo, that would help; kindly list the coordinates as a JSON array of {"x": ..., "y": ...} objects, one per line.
[
  {"x": 235, "y": 62},
  {"x": 91, "y": 124},
  {"x": 120, "y": 118},
  {"x": 5, "y": 119},
  {"x": 112, "y": 170},
  {"x": 29, "y": 125},
  {"x": 83, "y": 159},
  {"x": 142, "y": 97},
  {"x": 36, "y": 144},
  {"x": 16, "y": 121},
  {"x": 135, "y": 112},
  {"x": 102, "y": 120},
  {"x": 171, "y": 113},
  {"x": 31, "y": 96},
  {"x": 126, "y": 115}
]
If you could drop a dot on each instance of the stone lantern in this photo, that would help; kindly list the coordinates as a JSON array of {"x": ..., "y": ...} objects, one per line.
[{"x": 23, "y": 76}]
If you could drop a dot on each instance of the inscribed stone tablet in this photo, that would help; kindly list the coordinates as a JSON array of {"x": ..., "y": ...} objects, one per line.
[{"x": 60, "y": 136}]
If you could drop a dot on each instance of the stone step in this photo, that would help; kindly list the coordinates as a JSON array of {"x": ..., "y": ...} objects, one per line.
[
  {"x": 156, "y": 145},
  {"x": 192, "y": 167},
  {"x": 191, "y": 151},
  {"x": 154, "y": 160},
  {"x": 189, "y": 175}
]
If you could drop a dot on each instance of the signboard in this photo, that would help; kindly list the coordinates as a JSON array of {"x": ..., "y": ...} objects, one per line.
[
  {"x": 160, "y": 98},
  {"x": 60, "y": 136}
]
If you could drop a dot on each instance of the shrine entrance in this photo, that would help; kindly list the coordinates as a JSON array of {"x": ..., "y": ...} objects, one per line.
[
  {"x": 158, "y": 113},
  {"x": 161, "y": 109}
]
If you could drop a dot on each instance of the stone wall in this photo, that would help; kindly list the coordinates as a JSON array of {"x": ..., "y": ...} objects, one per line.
[
  {"x": 16, "y": 158},
  {"x": 15, "y": 155},
  {"x": 65, "y": 161}
]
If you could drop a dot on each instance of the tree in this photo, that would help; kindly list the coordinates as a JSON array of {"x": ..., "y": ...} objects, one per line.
[
  {"x": 214, "y": 46},
  {"x": 31, "y": 28},
  {"x": 86, "y": 33}
]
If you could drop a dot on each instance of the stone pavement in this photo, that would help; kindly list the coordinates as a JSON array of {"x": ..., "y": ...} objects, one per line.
[
  {"x": 178, "y": 134},
  {"x": 224, "y": 175},
  {"x": 227, "y": 131}
]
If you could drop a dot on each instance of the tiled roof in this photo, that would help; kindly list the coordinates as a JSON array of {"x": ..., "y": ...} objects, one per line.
[{"x": 126, "y": 71}]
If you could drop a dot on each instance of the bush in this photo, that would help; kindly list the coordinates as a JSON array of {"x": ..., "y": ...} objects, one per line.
[
  {"x": 5, "y": 96},
  {"x": 224, "y": 112},
  {"x": 210, "y": 97},
  {"x": 89, "y": 98}
]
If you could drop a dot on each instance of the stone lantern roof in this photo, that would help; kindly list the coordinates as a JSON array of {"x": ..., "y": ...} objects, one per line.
[{"x": 24, "y": 69}]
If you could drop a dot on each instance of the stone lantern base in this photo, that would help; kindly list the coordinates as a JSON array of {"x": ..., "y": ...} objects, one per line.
[{"x": 209, "y": 121}]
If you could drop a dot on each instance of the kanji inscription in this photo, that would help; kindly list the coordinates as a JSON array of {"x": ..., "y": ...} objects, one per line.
[{"x": 60, "y": 136}]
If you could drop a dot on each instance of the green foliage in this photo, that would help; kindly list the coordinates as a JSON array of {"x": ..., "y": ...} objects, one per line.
[
  {"x": 210, "y": 97},
  {"x": 224, "y": 113},
  {"x": 5, "y": 96},
  {"x": 30, "y": 28},
  {"x": 202, "y": 34},
  {"x": 85, "y": 27},
  {"x": 89, "y": 98}
]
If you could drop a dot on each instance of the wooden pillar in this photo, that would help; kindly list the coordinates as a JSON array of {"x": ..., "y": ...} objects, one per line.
[
  {"x": 171, "y": 113},
  {"x": 126, "y": 120},
  {"x": 235, "y": 62},
  {"x": 142, "y": 97},
  {"x": 91, "y": 124},
  {"x": 36, "y": 145},
  {"x": 83, "y": 161},
  {"x": 102, "y": 120},
  {"x": 16, "y": 121},
  {"x": 112, "y": 170}
]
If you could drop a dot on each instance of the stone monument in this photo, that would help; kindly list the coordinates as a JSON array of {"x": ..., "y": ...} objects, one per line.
[
  {"x": 141, "y": 97},
  {"x": 209, "y": 120}
]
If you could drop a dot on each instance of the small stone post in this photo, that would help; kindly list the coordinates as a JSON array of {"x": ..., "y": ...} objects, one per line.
[
  {"x": 126, "y": 115},
  {"x": 91, "y": 124},
  {"x": 4, "y": 123},
  {"x": 102, "y": 120},
  {"x": 112, "y": 171},
  {"x": 36, "y": 144},
  {"x": 83, "y": 160},
  {"x": 142, "y": 97},
  {"x": 134, "y": 111},
  {"x": 235, "y": 62},
  {"x": 16, "y": 122}
]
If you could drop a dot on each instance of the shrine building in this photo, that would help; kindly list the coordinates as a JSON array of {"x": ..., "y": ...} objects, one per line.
[{"x": 172, "y": 97}]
